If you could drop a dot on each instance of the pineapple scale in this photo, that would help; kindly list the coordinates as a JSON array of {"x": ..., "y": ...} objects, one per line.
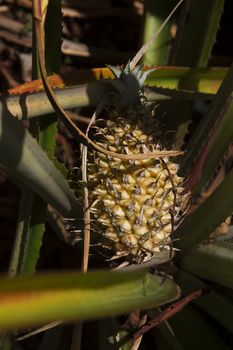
[{"x": 136, "y": 203}]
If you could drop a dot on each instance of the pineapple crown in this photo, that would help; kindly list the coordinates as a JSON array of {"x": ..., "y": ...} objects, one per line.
[{"x": 128, "y": 83}]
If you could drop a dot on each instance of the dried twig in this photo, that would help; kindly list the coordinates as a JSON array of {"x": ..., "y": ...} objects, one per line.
[
  {"x": 169, "y": 312},
  {"x": 86, "y": 206},
  {"x": 86, "y": 210}
]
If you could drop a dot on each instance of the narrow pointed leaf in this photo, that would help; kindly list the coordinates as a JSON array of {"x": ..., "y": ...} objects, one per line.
[
  {"x": 197, "y": 32},
  {"x": 23, "y": 158},
  {"x": 193, "y": 331},
  {"x": 206, "y": 80},
  {"x": 206, "y": 218},
  {"x": 44, "y": 130},
  {"x": 155, "y": 14},
  {"x": 192, "y": 47},
  {"x": 74, "y": 296},
  {"x": 213, "y": 303},
  {"x": 26, "y": 106},
  {"x": 165, "y": 338},
  {"x": 87, "y": 95},
  {"x": 218, "y": 148},
  {"x": 211, "y": 140},
  {"x": 212, "y": 262},
  {"x": 162, "y": 94}
]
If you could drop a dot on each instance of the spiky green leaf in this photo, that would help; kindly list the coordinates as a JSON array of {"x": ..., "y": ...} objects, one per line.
[{"x": 23, "y": 158}]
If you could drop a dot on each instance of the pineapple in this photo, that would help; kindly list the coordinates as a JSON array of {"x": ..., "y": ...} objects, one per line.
[{"x": 136, "y": 204}]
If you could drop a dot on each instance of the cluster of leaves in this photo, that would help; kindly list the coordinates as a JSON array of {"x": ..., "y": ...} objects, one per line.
[{"x": 34, "y": 299}]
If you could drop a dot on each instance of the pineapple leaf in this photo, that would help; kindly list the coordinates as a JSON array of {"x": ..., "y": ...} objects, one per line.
[
  {"x": 192, "y": 47},
  {"x": 127, "y": 68},
  {"x": 214, "y": 304},
  {"x": 211, "y": 261},
  {"x": 160, "y": 93},
  {"x": 26, "y": 162},
  {"x": 206, "y": 80},
  {"x": 212, "y": 139},
  {"x": 144, "y": 75},
  {"x": 44, "y": 131},
  {"x": 155, "y": 13},
  {"x": 75, "y": 296},
  {"x": 183, "y": 325},
  {"x": 89, "y": 95},
  {"x": 26, "y": 106},
  {"x": 153, "y": 37},
  {"x": 197, "y": 32},
  {"x": 115, "y": 70},
  {"x": 165, "y": 338},
  {"x": 196, "y": 79},
  {"x": 188, "y": 234}
]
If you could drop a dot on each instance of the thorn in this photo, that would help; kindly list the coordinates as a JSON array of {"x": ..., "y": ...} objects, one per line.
[
  {"x": 137, "y": 190},
  {"x": 142, "y": 174},
  {"x": 149, "y": 202},
  {"x": 125, "y": 179},
  {"x": 118, "y": 195},
  {"x": 131, "y": 207}
]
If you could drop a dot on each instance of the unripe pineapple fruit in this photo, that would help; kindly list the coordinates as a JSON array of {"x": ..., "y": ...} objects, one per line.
[{"x": 136, "y": 203}]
